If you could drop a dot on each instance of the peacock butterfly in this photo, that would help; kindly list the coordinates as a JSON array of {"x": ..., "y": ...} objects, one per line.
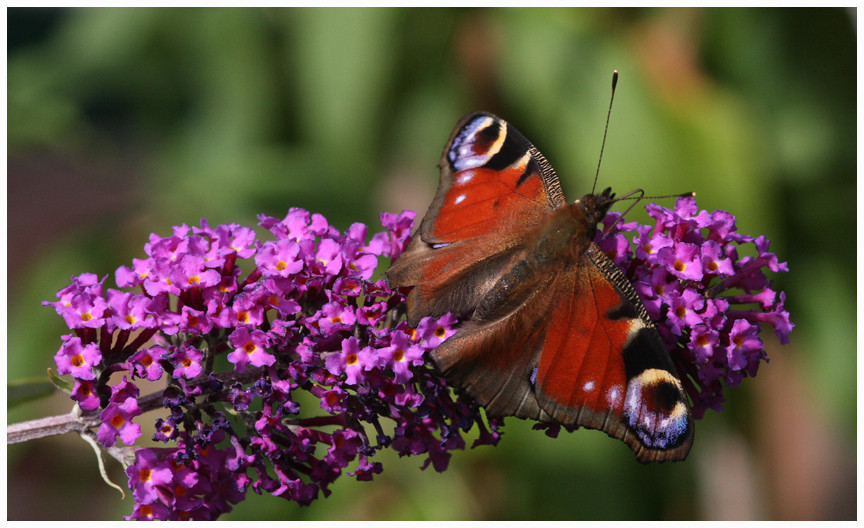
[{"x": 555, "y": 331}]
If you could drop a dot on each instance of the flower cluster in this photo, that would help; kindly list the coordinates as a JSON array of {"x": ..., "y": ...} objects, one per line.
[
  {"x": 680, "y": 268},
  {"x": 242, "y": 353},
  {"x": 282, "y": 377}
]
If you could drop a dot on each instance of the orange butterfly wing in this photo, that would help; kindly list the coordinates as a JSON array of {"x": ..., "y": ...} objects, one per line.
[
  {"x": 603, "y": 366},
  {"x": 494, "y": 186}
]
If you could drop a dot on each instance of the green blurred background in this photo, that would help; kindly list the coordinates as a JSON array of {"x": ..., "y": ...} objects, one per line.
[{"x": 123, "y": 122}]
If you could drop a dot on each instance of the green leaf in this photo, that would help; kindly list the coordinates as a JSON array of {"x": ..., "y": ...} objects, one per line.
[{"x": 60, "y": 383}]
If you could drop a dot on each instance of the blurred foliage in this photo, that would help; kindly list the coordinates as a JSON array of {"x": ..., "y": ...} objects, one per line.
[{"x": 126, "y": 121}]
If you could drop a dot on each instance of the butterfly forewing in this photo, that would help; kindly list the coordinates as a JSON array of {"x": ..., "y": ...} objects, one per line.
[
  {"x": 489, "y": 174},
  {"x": 494, "y": 187}
]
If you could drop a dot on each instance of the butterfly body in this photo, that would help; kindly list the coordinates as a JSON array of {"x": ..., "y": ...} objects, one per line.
[{"x": 554, "y": 332}]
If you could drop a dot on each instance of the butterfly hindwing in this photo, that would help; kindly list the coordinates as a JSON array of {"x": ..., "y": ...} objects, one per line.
[
  {"x": 493, "y": 355},
  {"x": 603, "y": 365}
]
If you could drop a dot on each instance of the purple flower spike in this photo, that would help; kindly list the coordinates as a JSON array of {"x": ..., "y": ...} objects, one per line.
[{"x": 241, "y": 334}]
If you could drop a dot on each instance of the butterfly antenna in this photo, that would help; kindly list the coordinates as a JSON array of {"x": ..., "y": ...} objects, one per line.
[
  {"x": 606, "y": 130},
  {"x": 641, "y": 193}
]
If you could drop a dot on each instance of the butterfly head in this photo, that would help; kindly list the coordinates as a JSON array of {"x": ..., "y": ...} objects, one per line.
[{"x": 597, "y": 205}]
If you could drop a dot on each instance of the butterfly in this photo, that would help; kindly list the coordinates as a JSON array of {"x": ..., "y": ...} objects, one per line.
[{"x": 555, "y": 331}]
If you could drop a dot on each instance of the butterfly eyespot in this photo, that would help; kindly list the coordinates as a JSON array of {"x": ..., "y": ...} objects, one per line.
[
  {"x": 656, "y": 410},
  {"x": 475, "y": 143}
]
